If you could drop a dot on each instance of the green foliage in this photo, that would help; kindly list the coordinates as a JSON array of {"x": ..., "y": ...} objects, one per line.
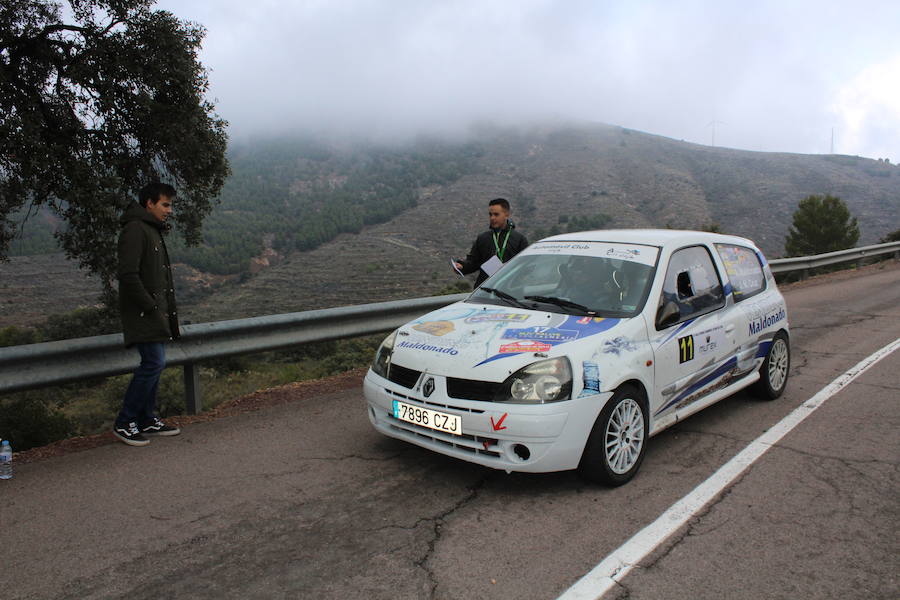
[
  {"x": 35, "y": 233},
  {"x": 711, "y": 227},
  {"x": 96, "y": 101},
  {"x": 821, "y": 224},
  {"x": 894, "y": 236},
  {"x": 457, "y": 287},
  {"x": 28, "y": 420},
  {"x": 572, "y": 223},
  {"x": 18, "y": 336},
  {"x": 523, "y": 204},
  {"x": 81, "y": 322},
  {"x": 842, "y": 159},
  {"x": 297, "y": 194}
]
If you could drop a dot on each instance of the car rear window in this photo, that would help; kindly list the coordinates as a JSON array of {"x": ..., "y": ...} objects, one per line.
[{"x": 744, "y": 270}]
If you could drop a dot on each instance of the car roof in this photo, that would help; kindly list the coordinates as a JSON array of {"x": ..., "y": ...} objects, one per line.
[{"x": 675, "y": 238}]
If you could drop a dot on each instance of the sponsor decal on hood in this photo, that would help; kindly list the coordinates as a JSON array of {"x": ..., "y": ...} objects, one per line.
[
  {"x": 437, "y": 328},
  {"x": 581, "y": 327},
  {"x": 549, "y": 334},
  {"x": 529, "y": 346},
  {"x": 490, "y": 316}
]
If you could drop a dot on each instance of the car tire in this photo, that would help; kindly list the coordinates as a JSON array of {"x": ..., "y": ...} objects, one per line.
[
  {"x": 773, "y": 374},
  {"x": 618, "y": 441}
]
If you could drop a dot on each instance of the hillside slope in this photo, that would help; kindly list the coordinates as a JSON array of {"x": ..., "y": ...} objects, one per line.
[{"x": 550, "y": 175}]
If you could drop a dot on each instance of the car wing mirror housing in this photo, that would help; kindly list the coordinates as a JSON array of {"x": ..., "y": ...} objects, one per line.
[{"x": 667, "y": 314}]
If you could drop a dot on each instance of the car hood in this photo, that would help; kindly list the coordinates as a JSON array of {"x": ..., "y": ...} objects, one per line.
[{"x": 486, "y": 342}]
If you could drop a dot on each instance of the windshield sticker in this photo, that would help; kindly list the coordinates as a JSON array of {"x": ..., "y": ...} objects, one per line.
[
  {"x": 618, "y": 345},
  {"x": 645, "y": 255},
  {"x": 547, "y": 334},
  {"x": 529, "y": 346},
  {"x": 624, "y": 253},
  {"x": 488, "y": 316},
  {"x": 437, "y": 328},
  {"x": 559, "y": 248}
]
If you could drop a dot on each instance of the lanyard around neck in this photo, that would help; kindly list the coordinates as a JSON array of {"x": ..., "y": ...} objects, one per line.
[{"x": 500, "y": 250}]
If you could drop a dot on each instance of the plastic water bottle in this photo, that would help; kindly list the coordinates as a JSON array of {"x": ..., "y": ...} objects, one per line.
[{"x": 5, "y": 460}]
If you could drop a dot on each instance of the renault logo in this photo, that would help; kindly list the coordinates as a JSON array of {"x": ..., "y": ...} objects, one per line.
[{"x": 428, "y": 388}]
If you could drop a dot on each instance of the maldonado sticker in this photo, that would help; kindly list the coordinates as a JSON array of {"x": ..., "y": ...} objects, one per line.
[{"x": 766, "y": 321}]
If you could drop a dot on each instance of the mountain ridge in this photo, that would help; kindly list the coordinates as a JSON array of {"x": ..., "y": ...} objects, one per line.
[{"x": 550, "y": 173}]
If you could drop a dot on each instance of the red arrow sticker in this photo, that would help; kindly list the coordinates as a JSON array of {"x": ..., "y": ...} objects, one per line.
[{"x": 499, "y": 424}]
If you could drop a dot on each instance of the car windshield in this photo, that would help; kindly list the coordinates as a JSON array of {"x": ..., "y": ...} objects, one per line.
[{"x": 582, "y": 284}]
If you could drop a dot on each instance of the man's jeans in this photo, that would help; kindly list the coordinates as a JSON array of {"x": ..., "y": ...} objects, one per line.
[{"x": 139, "y": 405}]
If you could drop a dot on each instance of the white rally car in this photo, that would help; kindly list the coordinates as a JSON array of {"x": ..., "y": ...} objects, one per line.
[{"x": 581, "y": 348}]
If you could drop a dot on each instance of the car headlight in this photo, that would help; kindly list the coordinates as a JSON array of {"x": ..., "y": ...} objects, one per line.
[
  {"x": 382, "y": 361},
  {"x": 544, "y": 381}
]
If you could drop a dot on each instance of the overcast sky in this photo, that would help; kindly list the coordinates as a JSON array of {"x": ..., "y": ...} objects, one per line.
[{"x": 772, "y": 75}]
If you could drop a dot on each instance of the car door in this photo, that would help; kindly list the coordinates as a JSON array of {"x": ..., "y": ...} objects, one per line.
[
  {"x": 759, "y": 305},
  {"x": 695, "y": 340}
]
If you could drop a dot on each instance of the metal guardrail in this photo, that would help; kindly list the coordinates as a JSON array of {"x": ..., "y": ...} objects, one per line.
[
  {"x": 804, "y": 263},
  {"x": 52, "y": 363}
]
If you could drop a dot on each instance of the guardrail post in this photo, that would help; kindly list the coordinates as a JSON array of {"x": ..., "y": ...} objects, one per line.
[{"x": 192, "y": 398}]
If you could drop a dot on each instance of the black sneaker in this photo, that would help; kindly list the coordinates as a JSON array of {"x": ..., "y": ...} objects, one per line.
[
  {"x": 129, "y": 434},
  {"x": 157, "y": 427}
]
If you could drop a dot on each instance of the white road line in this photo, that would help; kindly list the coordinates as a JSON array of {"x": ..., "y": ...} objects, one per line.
[{"x": 617, "y": 565}]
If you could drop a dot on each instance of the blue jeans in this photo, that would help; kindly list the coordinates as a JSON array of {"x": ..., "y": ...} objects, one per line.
[{"x": 139, "y": 405}]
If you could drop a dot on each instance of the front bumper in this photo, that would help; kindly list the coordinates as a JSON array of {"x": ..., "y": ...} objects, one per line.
[{"x": 513, "y": 437}]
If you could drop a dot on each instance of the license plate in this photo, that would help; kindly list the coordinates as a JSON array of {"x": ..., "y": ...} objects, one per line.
[{"x": 428, "y": 418}]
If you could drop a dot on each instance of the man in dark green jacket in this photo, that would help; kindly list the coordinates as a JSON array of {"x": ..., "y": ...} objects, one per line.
[
  {"x": 147, "y": 306},
  {"x": 502, "y": 241}
]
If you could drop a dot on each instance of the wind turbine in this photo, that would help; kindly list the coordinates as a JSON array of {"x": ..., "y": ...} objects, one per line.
[{"x": 713, "y": 124}]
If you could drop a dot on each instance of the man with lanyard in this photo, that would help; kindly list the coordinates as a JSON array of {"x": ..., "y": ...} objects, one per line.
[{"x": 494, "y": 247}]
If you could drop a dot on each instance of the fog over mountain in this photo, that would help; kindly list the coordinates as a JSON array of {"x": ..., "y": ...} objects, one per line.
[{"x": 801, "y": 76}]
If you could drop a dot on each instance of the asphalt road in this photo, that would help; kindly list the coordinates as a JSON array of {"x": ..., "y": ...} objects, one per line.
[{"x": 305, "y": 500}]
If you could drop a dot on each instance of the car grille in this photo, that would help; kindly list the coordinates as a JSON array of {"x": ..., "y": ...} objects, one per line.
[
  {"x": 469, "y": 389},
  {"x": 403, "y": 376},
  {"x": 436, "y": 405},
  {"x": 463, "y": 389},
  {"x": 471, "y": 444}
]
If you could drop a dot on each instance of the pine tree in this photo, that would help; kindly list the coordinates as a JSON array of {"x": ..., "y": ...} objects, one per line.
[{"x": 821, "y": 224}]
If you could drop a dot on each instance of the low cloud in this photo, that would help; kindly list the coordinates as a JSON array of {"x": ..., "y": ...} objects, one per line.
[{"x": 773, "y": 76}]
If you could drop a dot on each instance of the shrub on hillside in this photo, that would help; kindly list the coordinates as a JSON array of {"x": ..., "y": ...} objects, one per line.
[{"x": 28, "y": 420}]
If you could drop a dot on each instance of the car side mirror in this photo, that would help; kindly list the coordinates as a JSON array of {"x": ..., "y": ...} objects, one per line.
[{"x": 667, "y": 314}]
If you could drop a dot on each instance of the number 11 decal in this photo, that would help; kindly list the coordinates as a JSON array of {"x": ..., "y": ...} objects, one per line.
[{"x": 685, "y": 348}]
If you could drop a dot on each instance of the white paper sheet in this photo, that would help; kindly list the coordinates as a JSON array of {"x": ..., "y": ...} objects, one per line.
[{"x": 491, "y": 265}]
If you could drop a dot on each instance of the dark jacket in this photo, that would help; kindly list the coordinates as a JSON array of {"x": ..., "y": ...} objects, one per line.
[
  {"x": 146, "y": 292},
  {"x": 483, "y": 249}
]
